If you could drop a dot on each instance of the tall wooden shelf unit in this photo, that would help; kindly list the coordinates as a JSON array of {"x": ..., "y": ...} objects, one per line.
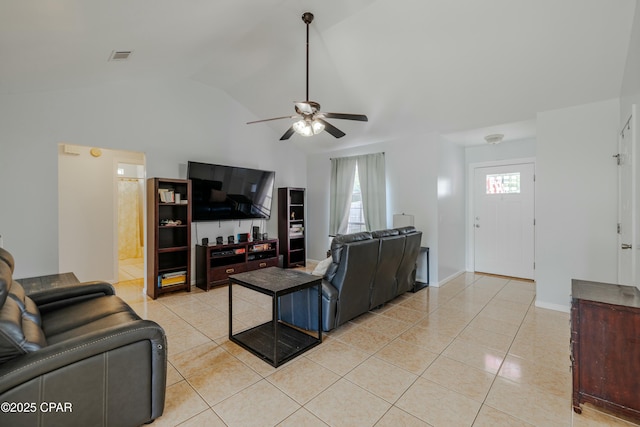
[
  {"x": 169, "y": 244},
  {"x": 291, "y": 226}
]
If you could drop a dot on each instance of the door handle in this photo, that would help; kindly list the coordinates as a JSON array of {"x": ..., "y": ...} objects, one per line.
[{"x": 626, "y": 246}]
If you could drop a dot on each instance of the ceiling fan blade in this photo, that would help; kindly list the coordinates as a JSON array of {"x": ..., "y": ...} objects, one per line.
[
  {"x": 331, "y": 128},
  {"x": 344, "y": 116},
  {"x": 287, "y": 134},
  {"x": 275, "y": 118}
]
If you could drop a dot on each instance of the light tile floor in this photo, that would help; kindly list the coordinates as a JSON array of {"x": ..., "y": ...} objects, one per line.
[
  {"x": 130, "y": 269},
  {"x": 475, "y": 351}
]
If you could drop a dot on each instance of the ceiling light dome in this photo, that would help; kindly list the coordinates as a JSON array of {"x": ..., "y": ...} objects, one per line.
[{"x": 495, "y": 138}]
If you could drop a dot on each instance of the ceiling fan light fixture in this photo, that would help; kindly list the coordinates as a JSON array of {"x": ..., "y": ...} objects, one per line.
[
  {"x": 306, "y": 127},
  {"x": 302, "y": 127},
  {"x": 317, "y": 127}
]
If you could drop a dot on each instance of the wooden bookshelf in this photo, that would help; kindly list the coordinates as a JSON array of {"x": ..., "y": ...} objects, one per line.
[
  {"x": 169, "y": 236},
  {"x": 291, "y": 226}
]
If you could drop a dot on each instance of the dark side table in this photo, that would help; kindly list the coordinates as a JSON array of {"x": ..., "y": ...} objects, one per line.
[
  {"x": 422, "y": 269},
  {"x": 275, "y": 342},
  {"x": 40, "y": 283}
]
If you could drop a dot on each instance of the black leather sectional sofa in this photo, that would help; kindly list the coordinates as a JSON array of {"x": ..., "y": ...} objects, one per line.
[
  {"x": 76, "y": 356},
  {"x": 367, "y": 270}
]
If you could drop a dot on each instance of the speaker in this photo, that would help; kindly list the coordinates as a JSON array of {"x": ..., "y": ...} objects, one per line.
[
  {"x": 256, "y": 233},
  {"x": 219, "y": 240},
  {"x": 230, "y": 240},
  {"x": 265, "y": 236},
  {"x": 243, "y": 237},
  {"x": 205, "y": 241}
]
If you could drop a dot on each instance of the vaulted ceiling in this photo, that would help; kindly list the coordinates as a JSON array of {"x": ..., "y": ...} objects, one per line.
[{"x": 455, "y": 67}]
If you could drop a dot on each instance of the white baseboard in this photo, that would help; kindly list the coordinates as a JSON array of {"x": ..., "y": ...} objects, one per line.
[
  {"x": 450, "y": 277},
  {"x": 551, "y": 306}
]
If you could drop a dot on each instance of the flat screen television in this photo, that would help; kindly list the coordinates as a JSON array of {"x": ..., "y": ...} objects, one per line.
[{"x": 222, "y": 192}]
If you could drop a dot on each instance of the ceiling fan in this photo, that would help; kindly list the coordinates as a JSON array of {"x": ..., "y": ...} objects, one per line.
[{"x": 310, "y": 120}]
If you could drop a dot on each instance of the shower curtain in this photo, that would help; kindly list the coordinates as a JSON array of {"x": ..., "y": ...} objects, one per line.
[{"x": 130, "y": 239}]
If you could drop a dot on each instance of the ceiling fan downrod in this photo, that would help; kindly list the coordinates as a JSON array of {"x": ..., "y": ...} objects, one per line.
[{"x": 307, "y": 18}]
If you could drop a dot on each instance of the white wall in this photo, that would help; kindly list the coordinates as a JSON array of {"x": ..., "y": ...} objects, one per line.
[
  {"x": 630, "y": 90},
  {"x": 412, "y": 168},
  {"x": 576, "y": 199},
  {"x": 520, "y": 149},
  {"x": 451, "y": 211},
  {"x": 170, "y": 121}
]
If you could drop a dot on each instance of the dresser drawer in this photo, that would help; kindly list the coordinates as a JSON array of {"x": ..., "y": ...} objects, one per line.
[
  {"x": 262, "y": 263},
  {"x": 223, "y": 273}
]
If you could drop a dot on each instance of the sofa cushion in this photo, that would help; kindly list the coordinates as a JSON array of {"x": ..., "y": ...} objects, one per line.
[
  {"x": 337, "y": 245},
  {"x": 385, "y": 286},
  {"x": 353, "y": 278},
  {"x": 18, "y": 334},
  {"x": 20, "y": 331},
  {"x": 7, "y": 258},
  {"x": 322, "y": 267},
  {"x": 27, "y": 306},
  {"x": 5, "y": 281}
]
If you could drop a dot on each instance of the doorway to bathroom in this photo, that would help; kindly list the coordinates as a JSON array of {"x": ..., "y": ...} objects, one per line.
[
  {"x": 130, "y": 204},
  {"x": 91, "y": 195}
]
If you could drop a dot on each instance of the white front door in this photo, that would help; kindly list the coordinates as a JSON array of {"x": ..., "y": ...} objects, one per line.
[
  {"x": 503, "y": 220},
  {"x": 627, "y": 208}
]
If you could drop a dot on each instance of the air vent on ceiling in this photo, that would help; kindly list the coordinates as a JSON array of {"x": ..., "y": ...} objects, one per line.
[
  {"x": 71, "y": 149},
  {"x": 120, "y": 55}
]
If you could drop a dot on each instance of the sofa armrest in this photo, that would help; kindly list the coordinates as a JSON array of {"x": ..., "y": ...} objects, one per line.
[
  {"x": 71, "y": 294},
  {"x": 118, "y": 373},
  {"x": 66, "y": 353},
  {"x": 329, "y": 292}
]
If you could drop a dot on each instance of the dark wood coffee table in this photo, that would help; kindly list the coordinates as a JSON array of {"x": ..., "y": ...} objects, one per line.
[{"x": 275, "y": 341}]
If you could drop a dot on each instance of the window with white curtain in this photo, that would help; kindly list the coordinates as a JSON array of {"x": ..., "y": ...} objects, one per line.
[
  {"x": 358, "y": 200},
  {"x": 356, "y": 210}
]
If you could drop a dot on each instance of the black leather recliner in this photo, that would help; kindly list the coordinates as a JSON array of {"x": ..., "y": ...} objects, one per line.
[
  {"x": 367, "y": 270},
  {"x": 77, "y": 356}
]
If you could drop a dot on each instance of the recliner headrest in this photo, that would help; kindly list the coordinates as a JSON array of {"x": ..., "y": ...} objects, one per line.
[
  {"x": 348, "y": 238},
  {"x": 406, "y": 230},
  {"x": 8, "y": 258},
  {"x": 5, "y": 282},
  {"x": 384, "y": 233}
]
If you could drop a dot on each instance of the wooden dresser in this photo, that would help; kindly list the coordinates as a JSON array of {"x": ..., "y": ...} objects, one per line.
[{"x": 605, "y": 347}]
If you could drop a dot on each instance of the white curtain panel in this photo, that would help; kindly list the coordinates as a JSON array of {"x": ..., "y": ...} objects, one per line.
[
  {"x": 343, "y": 173},
  {"x": 371, "y": 173}
]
